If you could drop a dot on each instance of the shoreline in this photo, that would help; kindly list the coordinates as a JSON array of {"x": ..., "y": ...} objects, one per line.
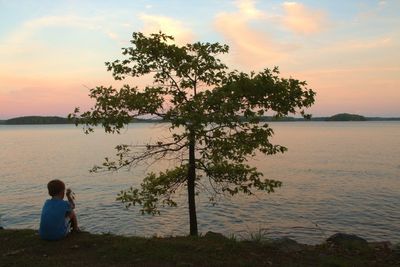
[{"x": 23, "y": 247}]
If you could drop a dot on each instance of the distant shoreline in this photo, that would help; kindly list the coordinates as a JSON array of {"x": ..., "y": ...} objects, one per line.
[{"x": 47, "y": 120}]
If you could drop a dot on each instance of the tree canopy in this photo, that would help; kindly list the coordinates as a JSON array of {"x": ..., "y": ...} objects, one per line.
[{"x": 213, "y": 114}]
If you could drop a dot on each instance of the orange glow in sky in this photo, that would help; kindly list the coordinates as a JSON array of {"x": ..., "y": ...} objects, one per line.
[{"x": 51, "y": 52}]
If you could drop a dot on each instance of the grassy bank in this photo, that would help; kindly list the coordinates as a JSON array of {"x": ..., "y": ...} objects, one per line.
[{"x": 24, "y": 248}]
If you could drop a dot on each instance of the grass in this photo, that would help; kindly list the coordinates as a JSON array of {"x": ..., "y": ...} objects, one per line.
[
  {"x": 258, "y": 236},
  {"x": 25, "y": 248}
]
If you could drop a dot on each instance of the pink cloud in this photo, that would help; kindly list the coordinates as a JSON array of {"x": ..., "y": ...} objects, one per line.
[
  {"x": 301, "y": 19},
  {"x": 251, "y": 48}
]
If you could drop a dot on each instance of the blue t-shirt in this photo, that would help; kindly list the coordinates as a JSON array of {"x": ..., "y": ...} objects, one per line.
[{"x": 53, "y": 224}]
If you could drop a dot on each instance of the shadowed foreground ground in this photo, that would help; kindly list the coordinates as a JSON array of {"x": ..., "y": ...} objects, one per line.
[{"x": 24, "y": 248}]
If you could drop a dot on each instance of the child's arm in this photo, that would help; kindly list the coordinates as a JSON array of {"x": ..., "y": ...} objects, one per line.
[{"x": 71, "y": 198}]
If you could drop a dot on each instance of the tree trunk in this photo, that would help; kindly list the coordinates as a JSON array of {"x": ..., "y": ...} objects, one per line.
[{"x": 191, "y": 186}]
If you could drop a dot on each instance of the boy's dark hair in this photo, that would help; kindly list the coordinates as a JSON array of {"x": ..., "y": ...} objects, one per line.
[{"x": 55, "y": 187}]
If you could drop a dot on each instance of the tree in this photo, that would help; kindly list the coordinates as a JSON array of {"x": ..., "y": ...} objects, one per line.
[{"x": 213, "y": 115}]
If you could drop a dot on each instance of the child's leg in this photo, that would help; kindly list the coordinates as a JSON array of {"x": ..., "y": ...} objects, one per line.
[{"x": 74, "y": 221}]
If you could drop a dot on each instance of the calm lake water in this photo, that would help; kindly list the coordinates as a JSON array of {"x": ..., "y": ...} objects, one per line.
[{"x": 337, "y": 177}]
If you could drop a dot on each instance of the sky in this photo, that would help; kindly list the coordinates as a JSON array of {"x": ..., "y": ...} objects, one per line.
[{"x": 53, "y": 51}]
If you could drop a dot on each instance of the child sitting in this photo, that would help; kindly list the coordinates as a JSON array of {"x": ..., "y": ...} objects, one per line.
[{"x": 58, "y": 215}]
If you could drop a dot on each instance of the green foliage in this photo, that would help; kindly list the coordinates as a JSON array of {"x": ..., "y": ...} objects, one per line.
[
  {"x": 155, "y": 189},
  {"x": 208, "y": 107}
]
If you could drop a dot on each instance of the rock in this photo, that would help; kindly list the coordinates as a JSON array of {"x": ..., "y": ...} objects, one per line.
[
  {"x": 287, "y": 245},
  {"x": 214, "y": 235},
  {"x": 348, "y": 241}
]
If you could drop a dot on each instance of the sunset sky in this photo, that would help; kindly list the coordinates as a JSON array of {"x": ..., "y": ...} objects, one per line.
[{"x": 52, "y": 51}]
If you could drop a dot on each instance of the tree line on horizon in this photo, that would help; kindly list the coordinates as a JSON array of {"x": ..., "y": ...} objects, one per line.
[{"x": 63, "y": 120}]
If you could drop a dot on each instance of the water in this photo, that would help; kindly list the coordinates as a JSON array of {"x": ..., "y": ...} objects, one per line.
[{"x": 337, "y": 177}]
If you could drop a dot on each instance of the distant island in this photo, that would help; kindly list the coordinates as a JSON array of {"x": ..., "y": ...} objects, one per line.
[
  {"x": 26, "y": 120},
  {"x": 60, "y": 120},
  {"x": 346, "y": 117},
  {"x": 337, "y": 117},
  {"x": 36, "y": 120}
]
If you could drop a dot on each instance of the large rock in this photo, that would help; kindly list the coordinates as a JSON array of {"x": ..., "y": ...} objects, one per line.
[{"x": 348, "y": 241}]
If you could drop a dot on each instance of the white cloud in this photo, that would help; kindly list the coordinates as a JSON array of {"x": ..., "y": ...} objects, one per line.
[
  {"x": 247, "y": 8},
  {"x": 170, "y": 26}
]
